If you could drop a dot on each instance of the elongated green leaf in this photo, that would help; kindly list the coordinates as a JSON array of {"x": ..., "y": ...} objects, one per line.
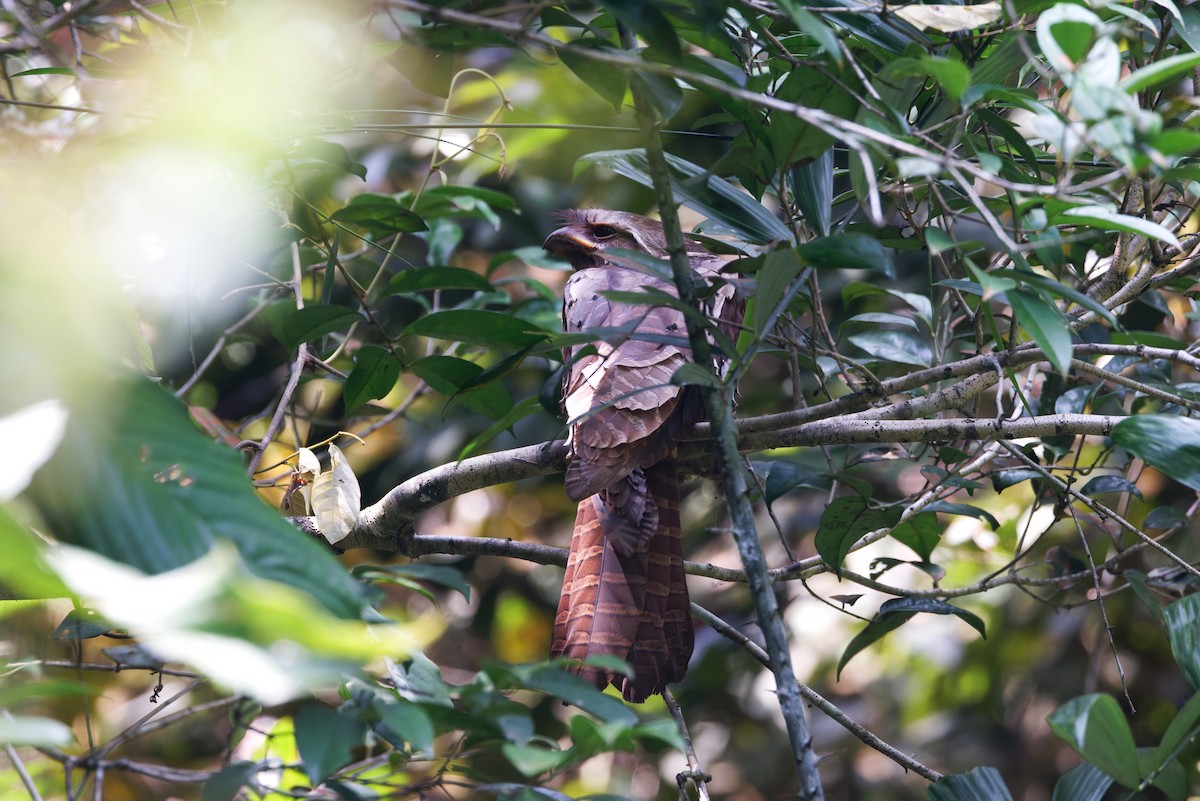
[
  {"x": 1094, "y": 726},
  {"x": 981, "y": 784},
  {"x": 932, "y": 606},
  {"x": 374, "y": 374},
  {"x": 1045, "y": 324},
  {"x": 950, "y": 508},
  {"x": 424, "y": 279},
  {"x": 1182, "y": 728},
  {"x": 894, "y": 346},
  {"x": 1166, "y": 442},
  {"x": 848, "y": 252},
  {"x": 780, "y": 268},
  {"x": 701, "y": 191},
  {"x": 1060, "y": 290},
  {"x": 1084, "y": 782},
  {"x": 1108, "y": 220},
  {"x": 1183, "y": 628},
  {"x": 812, "y": 186},
  {"x": 477, "y": 327},
  {"x": 1160, "y": 71},
  {"x": 312, "y": 322},
  {"x": 137, "y": 482},
  {"x": 876, "y": 630},
  {"x": 30, "y": 730},
  {"x": 379, "y": 215}
]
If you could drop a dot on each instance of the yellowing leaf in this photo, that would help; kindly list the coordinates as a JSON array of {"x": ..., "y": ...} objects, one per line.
[
  {"x": 336, "y": 498},
  {"x": 949, "y": 18}
]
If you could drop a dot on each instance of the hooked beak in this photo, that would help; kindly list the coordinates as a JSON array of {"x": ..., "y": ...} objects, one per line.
[{"x": 567, "y": 243}]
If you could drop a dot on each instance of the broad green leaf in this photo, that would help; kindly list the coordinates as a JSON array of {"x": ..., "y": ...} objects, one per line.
[
  {"x": 36, "y": 731},
  {"x": 24, "y": 565},
  {"x": 848, "y": 252},
  {"x": 980, "y": 784},
  {"x": 1106, "y": 219},
  {"x": 648, "y": 22},
  {"x": 1166, "y": 442},
  {"x": 452, "y": 376},
  {"x": 379, "y": 215},
  {"x": 882, "y": 318},
  {"x": 1045, "y": 324},
  {"x": 844, "y": 522},
  {"x": 894, "y": 346},
  {"x": 424, "y": 279},
  {"x": 324, "y": 739},
  {"x": 1084, "y": 782},
  {"x": 952, "y": 76},
  {"x": 313, "y": 322},
  {"x": 225, "y": 783},
  {"x": 137, "y": 482},
  {"x": 1003, "y": 479},
  {"x": 518, "y": 412},
  {"x": 921, "y": 533},
  {"x": 1102, "y": 485},
  {"x": 1183, "y": 628},
  {"x": 1066, "y": 33},
  {"x": 604, "y": 79},
  {"x": 811, "y": 24},
  {"x": 795, "y": 140},
  {"x": 374, "y": 375},
  {"x": 577, "y": 692},
  {"x": 477, "y": 327},
  {"x": 1169, "y": 777},
  {"x": 81, "y": 624},
  {"x": 701, "y": 191},
  {"x": 1094, "y": 726},
  {"x": 403, "y": 722},
  {"x": 1060, "y": 290},
  {"x": 782, "y": 476},
  {"x": 534, "y": 760}
]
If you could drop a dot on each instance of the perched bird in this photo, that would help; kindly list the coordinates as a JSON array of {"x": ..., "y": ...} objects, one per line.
[{"x": 625, "y": 593}]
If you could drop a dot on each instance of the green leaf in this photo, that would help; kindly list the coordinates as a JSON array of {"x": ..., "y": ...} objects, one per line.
[
  {"x": 921, "y": 532},
  {"x": 649, "y": 23},
  {"x": 36, "y": 731},
  {"x": 604, "y": 79},
  {"x": 424, "y": 279},
  {"x": 374, "y": 375},
  {"x": 1168, "y": 443},
  {"x": 324, "y": 739},
  {"x": 1060, "y": 290},
  {"x": 779, "y": 270},
  {"x": 379, "y": 215},
  {"x": 1108, "y": 485},
  {"x": 403, "y": 722},
  {"x": 136, "y": 481},
  {"x": 952, "y": 76},
  {"x": 534, "y": 760},
  {"x": 313, "y": 322},
  {"x": 931, "y": 606},
  {"x": 947, "y": 507},
  {"x": 848, "y": 252},
  {"x": 812, "y": 186},
  {"x": 518, "y": 412},
  {"x": 451, "y": 376},
  {"x": 478, "y": 327},
  {"x": 844, "y": 522},
  {"x": 980, "y": 784},
  {"x": 44, "y": 71},
  {"x": 575, "y": 691},
  {"x": 1182, "y": 729},
  {"x": 894, "y": 346},
  {"x": 1183, "y": 628},
  {"x": 1106, "y": 219},
  {"x": 448, "y": 576},
  {"x": 1094, "y": 726},
  {"x": 1160, "y": 71},
  {"x": 875, "y": 630},
  {"x": 782, "y": 476},
  {"x": 225, "y": 783},
  {"x": 1045, "y": 324},
  {"x": 1084, "y": 782},
  {"x": 81, "y": 624},
  {"x": 814, "y": 26},
  {"x": 701, "y": 191}
]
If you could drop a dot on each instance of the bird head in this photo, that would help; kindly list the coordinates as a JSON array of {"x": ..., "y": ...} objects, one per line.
[{"x": 586, "y": 233}]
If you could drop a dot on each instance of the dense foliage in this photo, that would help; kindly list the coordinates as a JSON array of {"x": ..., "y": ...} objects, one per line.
[{"x": 300, "y": 242}]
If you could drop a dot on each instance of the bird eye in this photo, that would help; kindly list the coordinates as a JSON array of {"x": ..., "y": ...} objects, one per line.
[{"x": 604, "y": 231}]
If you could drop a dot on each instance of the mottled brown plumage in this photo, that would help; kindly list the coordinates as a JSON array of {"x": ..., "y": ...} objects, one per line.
[{"x": 624, "y": 592}]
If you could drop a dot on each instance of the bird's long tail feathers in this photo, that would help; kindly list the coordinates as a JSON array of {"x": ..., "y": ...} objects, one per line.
[{"x": 633, "y": 606}]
